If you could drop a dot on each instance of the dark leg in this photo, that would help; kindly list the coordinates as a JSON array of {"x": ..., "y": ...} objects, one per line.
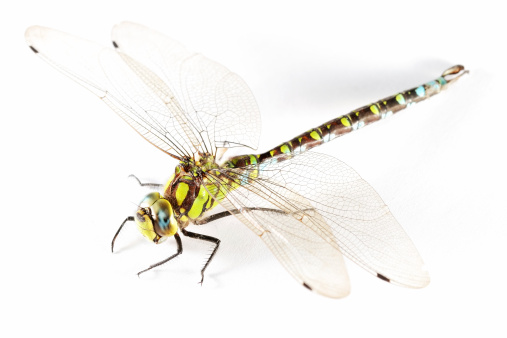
[
  {"x": 222, "y": 214},
  {"x": 204, "y": 238},
  {"x": 180, "y": 250},
  {"x": 131, "y": 219},
  {"x": 216, "y": 216},
  {"x": 152, "y": 185}
]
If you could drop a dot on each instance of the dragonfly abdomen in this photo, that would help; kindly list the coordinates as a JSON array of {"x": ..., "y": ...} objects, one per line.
[{"x": 365, "y": 115}]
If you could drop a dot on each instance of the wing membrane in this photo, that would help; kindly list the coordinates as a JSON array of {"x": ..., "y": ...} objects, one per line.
[
  {"x": 312, "y": 259},
  {"x": 155, "y": 104},
  {"x": 212, "y": 98},
  {"x": 322, "y": 196}
]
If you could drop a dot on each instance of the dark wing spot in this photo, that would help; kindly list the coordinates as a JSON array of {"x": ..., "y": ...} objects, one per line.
[
  {"x": 33, "y": 49},
  {"x": 383, "y": 277},
  {"x": 307, "y": 286},
  {"x": 115, "y": 44}
]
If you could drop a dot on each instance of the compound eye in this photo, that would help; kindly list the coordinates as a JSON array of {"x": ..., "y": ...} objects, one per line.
[
  {"x": 165, "y": 224},
  {"x": 149, "y": 199}
]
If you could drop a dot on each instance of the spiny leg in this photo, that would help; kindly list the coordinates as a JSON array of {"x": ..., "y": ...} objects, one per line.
[
  {"x": 223, "y": 214},
  {"x": 179, "y": 252},
  {"x": 128, "y": 219},
  {"x": 152, "y": 185},
  {"x": 202, "y": 237}
]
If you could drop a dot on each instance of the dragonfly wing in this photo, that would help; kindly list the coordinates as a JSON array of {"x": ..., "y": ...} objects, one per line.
[
  {"x": 312, "y": 259},
  {"x": 332, "y": 203},
  {"x": 103, "y": 72},
  {"x": 189, "y": 106},
  {"x": 212, "y": 98}
]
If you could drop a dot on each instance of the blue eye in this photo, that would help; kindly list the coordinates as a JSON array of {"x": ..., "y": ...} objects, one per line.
[{"x": 163, "y": 219}]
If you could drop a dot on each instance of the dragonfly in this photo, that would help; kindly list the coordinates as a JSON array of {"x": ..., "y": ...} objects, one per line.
[{"x": 310, "y": 209}]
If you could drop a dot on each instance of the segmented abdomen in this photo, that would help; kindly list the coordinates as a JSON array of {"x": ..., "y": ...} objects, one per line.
[
  {"x": 365, "y": 115},
  {"x": 354, "y": 120}
]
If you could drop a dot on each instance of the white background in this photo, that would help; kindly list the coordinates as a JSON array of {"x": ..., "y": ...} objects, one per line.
[{"x": 440, "y": 166}]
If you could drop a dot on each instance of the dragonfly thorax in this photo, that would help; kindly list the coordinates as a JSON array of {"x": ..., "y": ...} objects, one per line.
[{"x": 187, "y": 190}]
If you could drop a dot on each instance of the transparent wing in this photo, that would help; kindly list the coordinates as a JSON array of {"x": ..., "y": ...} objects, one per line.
[
  {"x": 316, "y": 196},
  {"x": 139, "y": 95},
  {"x": 312, "y": 259},
  {"x": 212, "y": 98}
]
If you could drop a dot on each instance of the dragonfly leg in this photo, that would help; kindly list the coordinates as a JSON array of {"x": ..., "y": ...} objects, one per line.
[
  {"x": 128, "y": 219},
  {"x": 223, "y": 214},
  {"x": 152, "y": 185},
  {"x": 179, "y": 252},
  {"x": 216, "y": 216},
  {"x": 202, "y": 237}
]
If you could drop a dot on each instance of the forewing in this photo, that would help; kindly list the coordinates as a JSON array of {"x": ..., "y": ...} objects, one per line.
[
  {"x": 213, "y": 99},
  {"x": 334, "y": 204},
  {"x": 104, "y": 73}
]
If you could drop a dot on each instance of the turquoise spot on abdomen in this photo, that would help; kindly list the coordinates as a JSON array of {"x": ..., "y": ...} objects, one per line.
[
  {"x": 420, "y": 91},
  {"x": 441, "y": 80},
  {"x": 434, "y": 84}
]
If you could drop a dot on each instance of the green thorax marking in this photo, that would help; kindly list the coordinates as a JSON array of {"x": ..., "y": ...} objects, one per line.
[{"x": 187, "y": 190}]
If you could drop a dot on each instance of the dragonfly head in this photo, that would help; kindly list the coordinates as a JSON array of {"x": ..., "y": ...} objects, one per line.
[{"x": 155, "y": 218}]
